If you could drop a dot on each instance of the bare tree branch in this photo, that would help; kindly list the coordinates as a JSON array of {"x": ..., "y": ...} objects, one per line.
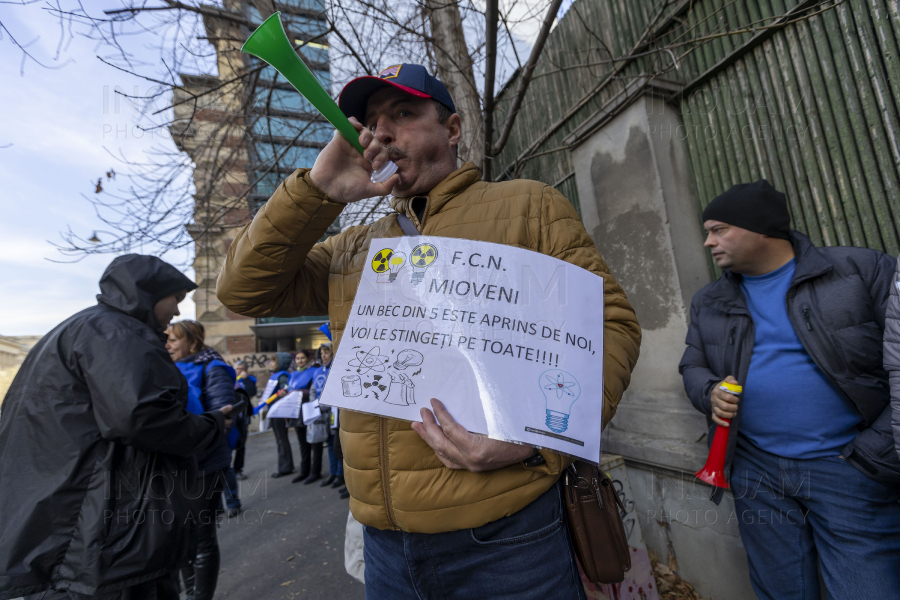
[
  {"x": 525, "y": 80},
  {"x": 490, "y": 50},
  {"x": 204, "y": 10}
]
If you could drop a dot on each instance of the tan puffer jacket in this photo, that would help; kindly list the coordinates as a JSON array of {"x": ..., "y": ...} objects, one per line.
[{"x": 275, "y": 268}]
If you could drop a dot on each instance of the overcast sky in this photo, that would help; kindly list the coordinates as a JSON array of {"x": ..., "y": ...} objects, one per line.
[{"x": 58, "y": 140}]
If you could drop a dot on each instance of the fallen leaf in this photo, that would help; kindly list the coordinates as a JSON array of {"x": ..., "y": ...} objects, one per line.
[{"x": 289, "y": 582}]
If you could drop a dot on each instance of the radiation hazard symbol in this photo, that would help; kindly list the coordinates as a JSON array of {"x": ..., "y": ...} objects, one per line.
[
  {"x": 381, "y": 261},
  {"x": 423, "y": 255}
]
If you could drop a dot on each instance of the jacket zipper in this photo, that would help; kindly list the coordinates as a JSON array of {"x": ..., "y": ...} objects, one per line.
[
  {"x": 806, "y": 316},
  {"x": 733, "y": 329},
  {"x": 385, "y": 472}
]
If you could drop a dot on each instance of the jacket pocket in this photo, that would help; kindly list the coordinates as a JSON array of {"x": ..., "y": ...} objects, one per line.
[{"x": 873, "y": 454}]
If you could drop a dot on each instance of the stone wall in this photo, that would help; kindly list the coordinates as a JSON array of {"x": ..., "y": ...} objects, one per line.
[{"x": 639, "y": 207}]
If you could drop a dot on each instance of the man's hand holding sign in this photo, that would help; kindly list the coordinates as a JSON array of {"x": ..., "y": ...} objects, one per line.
[{"x": 459, "y": 449}]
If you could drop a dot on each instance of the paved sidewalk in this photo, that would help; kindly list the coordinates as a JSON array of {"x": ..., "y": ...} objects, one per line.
[{"x": 289, "y": 541}]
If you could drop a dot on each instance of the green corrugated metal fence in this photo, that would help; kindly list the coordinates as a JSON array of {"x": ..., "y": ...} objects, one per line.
[
  {"x": 814, "y": 110},
  {"x": 814, "y": 107}
]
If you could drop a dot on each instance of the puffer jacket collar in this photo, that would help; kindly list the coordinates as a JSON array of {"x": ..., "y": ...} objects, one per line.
[
  {"x": 454, "y": 184},
  {"x": 203, "y": 356},
  {"x": 810, "y": 261}
]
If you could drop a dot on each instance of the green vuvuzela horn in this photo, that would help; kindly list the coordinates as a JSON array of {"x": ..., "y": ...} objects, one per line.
[{"x": 270, "y": 43}]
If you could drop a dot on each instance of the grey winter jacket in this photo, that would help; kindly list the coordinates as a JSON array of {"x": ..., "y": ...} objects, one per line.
[
  {"x": 836, "y": 302},
  {"x": 892, "y": 353}
]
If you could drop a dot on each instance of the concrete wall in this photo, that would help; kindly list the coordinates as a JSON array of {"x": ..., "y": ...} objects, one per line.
[{"x": 639, "y": 207}]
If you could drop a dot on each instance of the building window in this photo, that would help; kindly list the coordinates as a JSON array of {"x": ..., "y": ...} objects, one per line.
[{"x": 285, "y": 127}]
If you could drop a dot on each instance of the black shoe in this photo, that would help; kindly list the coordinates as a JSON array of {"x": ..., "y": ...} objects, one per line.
[
  {"x": 338, "y": 482},
  {"x": 312, "y": 478},
  {"x": 342, "y": 490},
  {"x": 276, "y": 474},
  {"x": 299, "y": 477},
  {"x": 345, "y": 494},
  {"x": 328, "y": 481},
  {"x": 239, "y": 475}
]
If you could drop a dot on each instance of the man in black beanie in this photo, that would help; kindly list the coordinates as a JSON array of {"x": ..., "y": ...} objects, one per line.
[{"x": 810, "y": 452}]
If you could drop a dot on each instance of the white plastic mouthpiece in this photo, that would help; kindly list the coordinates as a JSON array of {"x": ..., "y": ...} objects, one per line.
[{"x": 384, "y": 173}]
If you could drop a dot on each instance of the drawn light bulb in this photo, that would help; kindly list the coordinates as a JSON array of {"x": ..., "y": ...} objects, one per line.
[
  {"x": 408, "y": 358},
  {"x": 561, "y": 390},
  {"x": 423, "y": 256},
  {"x": 398, "y": 259}
]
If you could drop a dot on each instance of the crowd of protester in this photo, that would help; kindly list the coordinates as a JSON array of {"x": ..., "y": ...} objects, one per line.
[{"x": 305, "y": 373}]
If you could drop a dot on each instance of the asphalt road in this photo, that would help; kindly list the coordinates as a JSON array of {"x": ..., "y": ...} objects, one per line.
[{"x": 289, "y": 541}]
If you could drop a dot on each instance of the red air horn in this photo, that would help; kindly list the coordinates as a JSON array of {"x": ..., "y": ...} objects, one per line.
[{"x": 713, "y": 472}]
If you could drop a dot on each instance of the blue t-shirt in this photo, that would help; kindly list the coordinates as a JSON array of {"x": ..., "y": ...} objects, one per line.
[{"x": 790, "y": 408}]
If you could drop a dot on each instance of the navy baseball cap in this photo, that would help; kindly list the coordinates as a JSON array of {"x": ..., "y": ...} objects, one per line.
[{"x": 413, "y": 79}]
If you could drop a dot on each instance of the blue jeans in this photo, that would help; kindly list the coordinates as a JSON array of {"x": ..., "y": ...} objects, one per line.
[
  {"x": 525, "y": 556},
  {"x": 335, "y": 464},
  {"x": 232, "y": 494},
  {"x": 794, "y": 514}
]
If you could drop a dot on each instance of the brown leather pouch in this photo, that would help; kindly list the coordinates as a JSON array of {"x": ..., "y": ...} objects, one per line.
[{"x": 595, "y": 523}]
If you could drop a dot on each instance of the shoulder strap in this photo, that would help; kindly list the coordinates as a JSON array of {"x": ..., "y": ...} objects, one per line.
[{"x": 406, "y": 225}]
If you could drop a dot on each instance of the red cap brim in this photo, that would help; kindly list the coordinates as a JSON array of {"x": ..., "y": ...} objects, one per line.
[{"x": 353, "y": 104}]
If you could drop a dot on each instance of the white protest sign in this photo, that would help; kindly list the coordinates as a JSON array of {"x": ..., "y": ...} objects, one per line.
[
  {"x": 286, "y": 408},
  {"x": 510, "y": 340},
  {"x": 311, "y": 412}
]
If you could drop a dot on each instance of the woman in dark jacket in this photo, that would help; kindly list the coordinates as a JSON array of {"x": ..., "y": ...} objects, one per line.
[{"x": 211, "y": 381}]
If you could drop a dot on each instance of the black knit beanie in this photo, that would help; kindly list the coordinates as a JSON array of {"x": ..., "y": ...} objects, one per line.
[{"x": 756, "y": 206}]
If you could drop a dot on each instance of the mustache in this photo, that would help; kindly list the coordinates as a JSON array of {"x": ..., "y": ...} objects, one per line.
[{"x": 394, "y": 152}]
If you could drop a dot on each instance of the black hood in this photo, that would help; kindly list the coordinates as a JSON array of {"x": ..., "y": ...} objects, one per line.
[
  {"x": 134, "y": 283},
  {"x": 284, "y": 361}
]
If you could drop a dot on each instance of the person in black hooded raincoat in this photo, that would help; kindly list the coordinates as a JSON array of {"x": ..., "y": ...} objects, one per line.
[{"x": 96, "y": 445}]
